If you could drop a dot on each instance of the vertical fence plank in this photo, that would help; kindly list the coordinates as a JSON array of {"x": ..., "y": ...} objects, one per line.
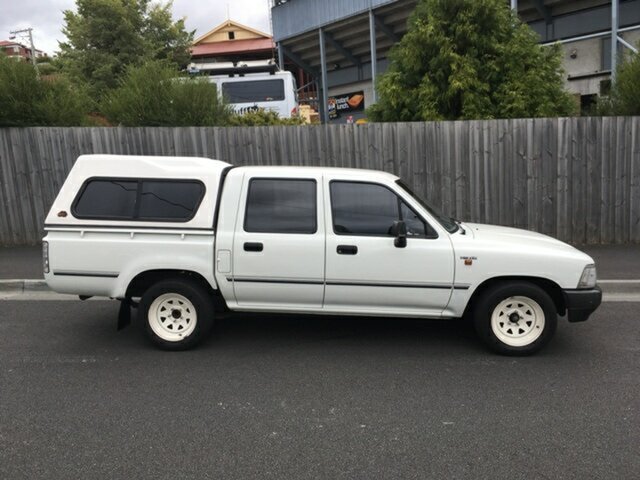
[
  {"x": 606, "y": 217},
  {"x": 458, "y": 169},
  {"x": 563, "y": 140},
  {"x": 9, "y": 222},
  {"x": 622, "y": 181},
  {"x": 634, "y": 173},
  {"x": 519, "y": 175},
  {"x": 578, "y": 182},
  {"x": 431, "y": 193},
  {"x": 593, "y": 133}
]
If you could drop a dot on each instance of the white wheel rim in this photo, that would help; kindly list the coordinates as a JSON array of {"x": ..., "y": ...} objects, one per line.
[
  {"x": 517, "y": 321},
  {"x": 172, "y": 317}
]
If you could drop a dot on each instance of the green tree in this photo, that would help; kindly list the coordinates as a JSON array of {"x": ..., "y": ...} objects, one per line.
[
  {"x": 47, "y": 66},
  {"x": 26, "y": 100},
  {"x": 154, "y": 95},
  {"x": 106, "y": 36},
  {"x": 624, "y": 97},
  {"x": 262, "y": 118},
  {"x": 470, "y": 59}
]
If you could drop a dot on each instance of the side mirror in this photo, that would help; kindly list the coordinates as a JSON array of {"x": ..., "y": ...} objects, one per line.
[{"x": 399, "y": 230}]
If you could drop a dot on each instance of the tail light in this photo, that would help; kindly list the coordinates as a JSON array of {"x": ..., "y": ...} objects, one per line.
[{"x": 45, "y": 257}]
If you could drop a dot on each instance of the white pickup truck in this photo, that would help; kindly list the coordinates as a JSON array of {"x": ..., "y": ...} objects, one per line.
[{"x": 186, "y": 239}]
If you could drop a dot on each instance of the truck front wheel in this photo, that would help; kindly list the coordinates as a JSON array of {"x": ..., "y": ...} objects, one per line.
[
  {"x": 177, "y": 314},
  {"x": 516, "y": 318}
]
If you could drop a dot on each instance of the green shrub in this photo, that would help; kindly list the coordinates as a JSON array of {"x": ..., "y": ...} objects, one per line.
[
  {"x": 262, "y": 117},
  {"x": 624, "y": 97},
  {"x": 26, "y": 100},
  {"x": 46, "y": 69},
  {"x": 154, "y": 95}
]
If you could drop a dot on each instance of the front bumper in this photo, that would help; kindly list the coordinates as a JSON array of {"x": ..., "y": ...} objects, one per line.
[{"x": 582, "y": 303}]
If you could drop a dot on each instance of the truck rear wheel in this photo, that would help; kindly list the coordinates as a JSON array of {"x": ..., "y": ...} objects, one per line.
[
  {"x": 177, "y": 314},
  {"x": 516, "y": 318}
]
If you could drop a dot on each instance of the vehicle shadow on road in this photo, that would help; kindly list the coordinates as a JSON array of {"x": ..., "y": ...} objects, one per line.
[
  {"x": 453, "y": 336},
  {"x": 93, "y": 326},
  {"x": 342, "y": 330}
]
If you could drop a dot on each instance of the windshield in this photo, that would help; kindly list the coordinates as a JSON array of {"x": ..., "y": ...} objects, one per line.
[
  {"x": 253, "y": 91},
  {"x": 448, "y": 223}
]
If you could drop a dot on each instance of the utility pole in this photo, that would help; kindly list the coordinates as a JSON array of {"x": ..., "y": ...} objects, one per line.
[
  {"x": 374, "y": 53},
  {"x": 614, "y": 39},
  {"x": 324, "y": 106},
  {"x": 29, "y": 32}
]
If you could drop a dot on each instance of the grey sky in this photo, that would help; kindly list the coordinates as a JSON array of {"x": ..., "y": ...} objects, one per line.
[{"x": 45, "y": 16}]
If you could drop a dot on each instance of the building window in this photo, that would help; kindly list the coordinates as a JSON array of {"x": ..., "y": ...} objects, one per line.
[
  {"x": 281, "y": 206},
  {"x": 232, "y": 35},
  {"x": 588, "y": 104}
]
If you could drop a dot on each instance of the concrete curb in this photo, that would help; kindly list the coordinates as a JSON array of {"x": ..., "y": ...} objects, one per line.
[
  {"x": 23, "y": 285},
  {"x": 620, "y": 287}
]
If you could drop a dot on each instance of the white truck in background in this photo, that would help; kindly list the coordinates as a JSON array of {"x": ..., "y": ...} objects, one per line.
[
  {"x": 252, "y": 85},
  {"x": 185, "y": 239}
]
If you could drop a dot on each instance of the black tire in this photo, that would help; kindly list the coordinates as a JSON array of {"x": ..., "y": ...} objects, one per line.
[
  {"x": 166, "y": 290},
  {"x": 494, "y": 297}
]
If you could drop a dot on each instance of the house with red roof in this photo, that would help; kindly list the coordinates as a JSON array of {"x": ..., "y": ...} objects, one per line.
[
  {"x": 232, "y": 42},
  {"x": 15, "y": 49}
]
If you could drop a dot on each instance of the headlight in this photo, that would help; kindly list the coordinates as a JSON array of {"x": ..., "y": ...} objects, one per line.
[
  {"x": 588, "y": 278},
  {"x": 45, "y": 257}
]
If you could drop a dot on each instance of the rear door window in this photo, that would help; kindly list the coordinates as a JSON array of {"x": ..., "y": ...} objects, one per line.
[{"x": 281, "y": 206}]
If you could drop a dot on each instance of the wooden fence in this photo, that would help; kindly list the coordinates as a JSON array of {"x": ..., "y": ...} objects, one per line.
[{"x": 577, "y": 179}]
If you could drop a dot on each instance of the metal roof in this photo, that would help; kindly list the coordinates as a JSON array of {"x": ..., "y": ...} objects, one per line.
[
  {"x": 233, "y": 46},
  {"x": 348, "y": 40},
  {"x": 296, "y": 24}
]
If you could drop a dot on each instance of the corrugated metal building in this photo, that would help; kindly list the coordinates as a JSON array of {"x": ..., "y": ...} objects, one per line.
[{"x": 332, "y": 40}]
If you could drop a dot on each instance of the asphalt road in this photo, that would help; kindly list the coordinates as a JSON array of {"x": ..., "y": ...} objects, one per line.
[{"x": 304, "y": 397}]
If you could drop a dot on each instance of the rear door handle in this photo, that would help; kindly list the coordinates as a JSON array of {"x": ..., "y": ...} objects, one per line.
[
  {"x": 253, "y": 247},
  {"x": 347, "y": 250}
]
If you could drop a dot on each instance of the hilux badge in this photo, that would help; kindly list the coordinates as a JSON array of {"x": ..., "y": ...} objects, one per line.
[{"x": 468, "y": 260}]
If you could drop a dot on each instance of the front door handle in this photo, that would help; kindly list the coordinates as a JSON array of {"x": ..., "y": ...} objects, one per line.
[
  {"x": 253, "y": 247},
  {"x": 347, "y": 250}
]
